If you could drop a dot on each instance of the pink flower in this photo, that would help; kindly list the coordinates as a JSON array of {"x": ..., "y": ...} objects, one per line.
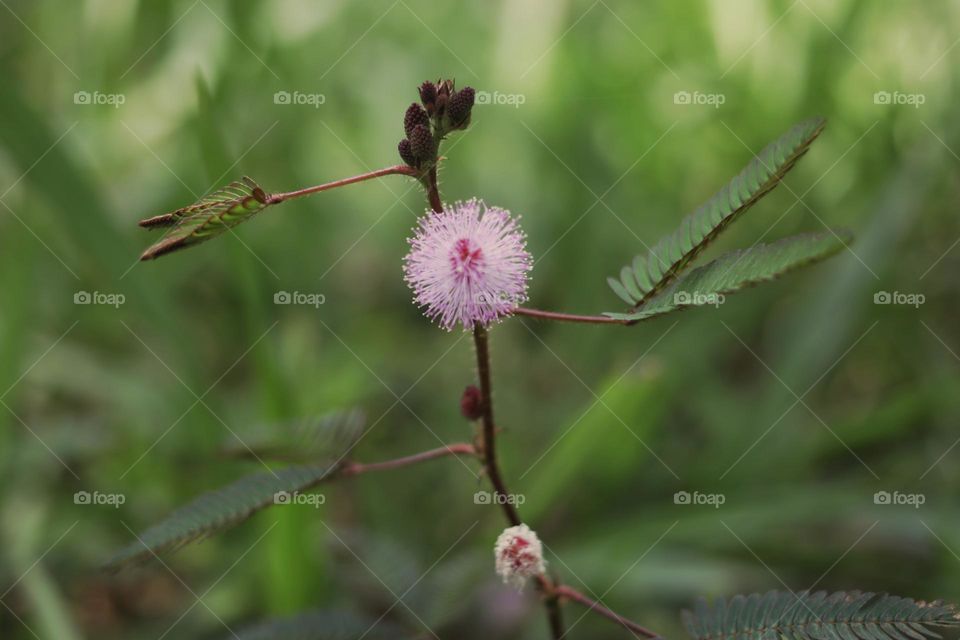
[
  {"x": 519, "y": 555},
  {"x": 468, "y": 265}
]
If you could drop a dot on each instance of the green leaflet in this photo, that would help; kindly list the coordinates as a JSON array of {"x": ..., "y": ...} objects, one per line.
[
  {"x": 649, "y": 274},
  {"x": 217, "y": 510},
  {"x": 208, "y": 218},
  {"x": 818, "y": 616},
  {"x": 738, "y": 269}
]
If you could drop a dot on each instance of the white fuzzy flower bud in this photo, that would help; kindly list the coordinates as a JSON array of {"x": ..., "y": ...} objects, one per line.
[{"x": 519, "y": 555}]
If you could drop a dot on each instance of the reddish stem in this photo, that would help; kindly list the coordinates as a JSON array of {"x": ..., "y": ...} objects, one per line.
[
  {"x": 566, "y": 317},
  {"x": 551, "y": 600},
  {"x": 400, "y": 169},
  {"x": 489, "y": 453},
  {"x": 481, "y": 342},
  {"x": 433, "y": 191},
  {"x": 564, "y": 591},
  {"x": 356, "y": 468}
]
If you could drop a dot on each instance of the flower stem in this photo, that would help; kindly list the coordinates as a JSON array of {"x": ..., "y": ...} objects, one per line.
[
  {"x": 400, "y": 169},
  {"x": 356, "y": 468},
  {"x": 482, "y": 343},
  {"x": 433, "y": 191},
  {"x": 572, "y": 594},
  {"x": 554, "y": 617},
  {"x": 489, "y": 452},
  {"x": 552, "y": 603},
  {"x": 565, "y": 317}
]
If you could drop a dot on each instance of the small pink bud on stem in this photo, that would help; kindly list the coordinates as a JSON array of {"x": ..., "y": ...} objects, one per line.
[
  {"x": 471, "y": 403},
  {"x": 519, "y": 555}
]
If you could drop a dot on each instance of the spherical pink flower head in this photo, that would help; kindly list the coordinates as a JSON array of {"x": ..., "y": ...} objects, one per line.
[
  {"x": 519, "y": 555},
  {"x": 468, "y": 265}
]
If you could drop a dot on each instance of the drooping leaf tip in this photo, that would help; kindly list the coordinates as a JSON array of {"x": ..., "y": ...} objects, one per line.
[
  {"x": 155, "y": 222},
  {"x": 162, "y": 248}
]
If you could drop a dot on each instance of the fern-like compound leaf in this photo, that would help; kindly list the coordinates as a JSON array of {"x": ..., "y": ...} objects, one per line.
[
  {"x": 227, "y": 507},
  {"x": 649, "y": 274},
  {"x": 208, "y": 218},
  {"x": 707, "y": 285},
  {"x": 842, "y": 615},
  {"x": 217, "y": 510}
]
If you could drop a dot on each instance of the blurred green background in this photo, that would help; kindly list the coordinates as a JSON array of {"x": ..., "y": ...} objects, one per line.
[{"x": 796, "y": 402}]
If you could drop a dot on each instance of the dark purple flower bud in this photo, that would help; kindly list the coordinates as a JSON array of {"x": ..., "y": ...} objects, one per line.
[
  {"x": 406, "y": 153},
  {"x": 421, "y": 143},
  {"x": 428, "y": 96},
  {"x": 415, "y": 115},
  {"x": 471, "y": 403},
  {"x": 459, "y": 107}
]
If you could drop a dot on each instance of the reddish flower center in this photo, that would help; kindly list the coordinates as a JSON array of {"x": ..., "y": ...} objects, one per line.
[
  {"x": 517, "y": 554},
  {"x": 466, "y": 258}
]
